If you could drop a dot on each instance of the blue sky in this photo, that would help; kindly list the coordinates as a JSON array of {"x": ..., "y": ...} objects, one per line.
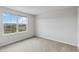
[{"x": 9, "y": 18}]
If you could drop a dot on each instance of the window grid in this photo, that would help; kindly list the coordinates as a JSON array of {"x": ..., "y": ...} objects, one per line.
[{"x": 14, "y": 28}]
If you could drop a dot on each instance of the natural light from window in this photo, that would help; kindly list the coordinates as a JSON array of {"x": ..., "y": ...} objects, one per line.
[{"x": 13, "y": 23}]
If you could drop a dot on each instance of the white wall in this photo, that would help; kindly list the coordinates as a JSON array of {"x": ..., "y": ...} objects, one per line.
[
  {"x": 6, "y": 39},
  {"x": 78, "y": 26},
  {"x": 59, "y": 25}
]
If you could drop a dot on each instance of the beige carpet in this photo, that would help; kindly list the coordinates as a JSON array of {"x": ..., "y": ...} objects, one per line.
[{"x": 38, "y": 45}]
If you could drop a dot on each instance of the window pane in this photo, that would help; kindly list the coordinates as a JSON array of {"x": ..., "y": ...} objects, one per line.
[
  {"x": 9, "y": 28},
  {"x": 22, "y": 27},
  {"x": 22, "y": 21},
  {"x": 9, "y": 21},
  {"x": 9, "y": 18}
]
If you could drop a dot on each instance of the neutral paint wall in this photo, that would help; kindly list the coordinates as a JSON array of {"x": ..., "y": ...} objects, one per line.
[
  {"x": 78, "y": 26},
  {"x": 59, "y": 25},
  {"x": 6, "y": 39}
]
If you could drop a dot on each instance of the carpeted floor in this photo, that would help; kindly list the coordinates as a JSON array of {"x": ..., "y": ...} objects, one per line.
[{"x": 38, "y": 45}]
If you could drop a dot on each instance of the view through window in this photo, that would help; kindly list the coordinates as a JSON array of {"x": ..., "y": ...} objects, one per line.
[
  {"x": 21, "y": 24},
  {"x": 13, "y": 23}
]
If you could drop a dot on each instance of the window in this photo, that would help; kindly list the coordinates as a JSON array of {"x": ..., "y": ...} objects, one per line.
[
  {"x": 9, "y": 22},
  {"x": 14, "y": 23},
  {"x": 21, "y": 23}
]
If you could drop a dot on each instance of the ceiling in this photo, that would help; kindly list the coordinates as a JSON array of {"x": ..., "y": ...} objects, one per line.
[{"x": 36, "y": 10}]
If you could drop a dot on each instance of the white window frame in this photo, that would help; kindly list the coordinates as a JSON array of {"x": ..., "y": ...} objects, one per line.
[{"x": 16, "y": 25}]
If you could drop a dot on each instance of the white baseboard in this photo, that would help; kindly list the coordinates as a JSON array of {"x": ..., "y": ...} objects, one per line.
[{"x": 51, "y": 38}]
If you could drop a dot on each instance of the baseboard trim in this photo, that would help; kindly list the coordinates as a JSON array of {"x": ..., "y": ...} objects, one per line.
[{"x": 55, "y": 40}]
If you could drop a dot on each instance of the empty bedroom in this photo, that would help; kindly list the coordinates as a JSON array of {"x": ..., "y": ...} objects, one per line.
[{"x": 39, "y": 29}]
